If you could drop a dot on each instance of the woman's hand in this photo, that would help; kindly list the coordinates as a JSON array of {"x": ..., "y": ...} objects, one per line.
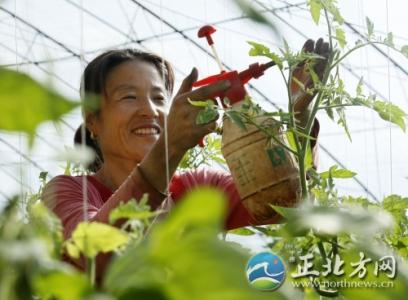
[
  {"x": 300, "y": 97},
  {"x": 183, "y": 131}
]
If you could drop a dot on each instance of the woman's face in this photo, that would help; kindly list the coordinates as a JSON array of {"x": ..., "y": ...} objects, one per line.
[{"x": 132, "y": 111}]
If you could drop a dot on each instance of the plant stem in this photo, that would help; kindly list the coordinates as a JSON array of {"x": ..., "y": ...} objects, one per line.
[
  {"x": 328, "y": 27},
  {"x": 305, "y": 142},
  {"x": 90, "y": 270},
  {"x": 302, "y": 175},
  {"x": 338, "y": 105},
  {"x": 301, "y": 152},
  {"x": 341, "y": 58},
  {"x": 316, "y": 105}
]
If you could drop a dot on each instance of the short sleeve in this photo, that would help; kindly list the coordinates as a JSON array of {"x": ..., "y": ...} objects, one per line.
[{"x": 64, "y": 196}]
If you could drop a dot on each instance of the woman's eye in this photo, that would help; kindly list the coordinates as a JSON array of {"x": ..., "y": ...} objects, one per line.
[
  {"x": 159, "y": 98},
  {"x": 130, "y": 97}
]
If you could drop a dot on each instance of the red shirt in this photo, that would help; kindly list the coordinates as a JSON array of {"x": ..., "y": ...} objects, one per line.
[{"x": 64, "y": 196}]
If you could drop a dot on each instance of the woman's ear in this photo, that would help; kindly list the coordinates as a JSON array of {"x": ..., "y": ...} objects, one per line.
[{"x": 91, "y": 121}]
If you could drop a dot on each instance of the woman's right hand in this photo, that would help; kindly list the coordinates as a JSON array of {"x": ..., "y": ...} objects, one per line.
[{"x": 183, "y": 131}]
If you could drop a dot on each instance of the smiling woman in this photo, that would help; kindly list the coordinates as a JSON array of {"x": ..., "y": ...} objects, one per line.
[
  {"x": 131, "y": 116},
  {"x": 114, "y": 76},
  {"x": 127, "y": 133}
]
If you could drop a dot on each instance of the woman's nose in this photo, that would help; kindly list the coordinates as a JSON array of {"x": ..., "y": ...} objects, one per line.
[{"x": 148, "y": 108}]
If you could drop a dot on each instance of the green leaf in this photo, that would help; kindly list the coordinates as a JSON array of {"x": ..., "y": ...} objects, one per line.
[
  {"x": 330, "y": 6},
  {"x": 245, "y": 231},
  {"x": 343, "y": 121},
  {"x": 46, "y": 226},
  {"x": 261, "y": 50},
  {"x": 286, "y": 212},
  {"x": 389, "y": 40},
  {"x": 236, "y": 118},
  {"x": 334, "y": 172},
  {"x": 67, "y": 169},
  {"x": 132, "y": 210},
  {"x": 62, "y": 286},
  {"x": 207, "y": 115},
  {"x": 359, "y": 87},
  {"x": 43, "y": 176},
  {"x": 341, "y": 37},
  {"x": 72, "y": 249},
  {"x": 258, "y": 49},
  {"x": 93, "y": 238},
  {"x": 209, "y": 112},
  {"x": 370, "y": 28},
  {"x": 211, "y": 206},
  {"x": 395, "y": 203},
  {"x": 315, "y": 8},
  {"x": 404, "y": 50},
  {"x": 329, "y": 112},
  {"x": 25, "y": 103},
  {"x": 278, "y": 61},
  {"x": 286, "y": 48},
  {"x": 359, "y": 201},
  {"x": 388, "y": 112},
  {"x": 199, "y": 103}
]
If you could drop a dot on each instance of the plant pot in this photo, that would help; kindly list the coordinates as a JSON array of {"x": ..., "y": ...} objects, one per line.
[{"x": 264, "y": 174}]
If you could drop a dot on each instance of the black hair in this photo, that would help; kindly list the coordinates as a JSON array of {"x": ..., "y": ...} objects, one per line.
[{"x": 94, "y": 81}]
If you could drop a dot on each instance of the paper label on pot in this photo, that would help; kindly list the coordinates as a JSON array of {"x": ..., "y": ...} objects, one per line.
[{"x": 277, "y": 156}]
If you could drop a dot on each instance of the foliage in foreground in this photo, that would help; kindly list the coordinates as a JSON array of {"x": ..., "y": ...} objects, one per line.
[{"x": 181, "y": 257}]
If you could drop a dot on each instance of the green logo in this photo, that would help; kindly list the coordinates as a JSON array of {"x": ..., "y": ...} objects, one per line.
[
  {"x": 277, "y": 156},
  {"x": 265, "y": 271}
]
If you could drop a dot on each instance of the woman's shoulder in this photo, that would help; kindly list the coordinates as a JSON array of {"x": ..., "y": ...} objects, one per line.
[
  {"x": 203, "y": 175},
  {"x": 58, "y": 188},
  {"x": 62, "y": 181},
  {"x": 62, "y": 184},
  {"x": 66, "y": 188}
]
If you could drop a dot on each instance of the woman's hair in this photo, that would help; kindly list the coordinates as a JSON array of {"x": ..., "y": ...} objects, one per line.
[{"x": 94, "y": 83}]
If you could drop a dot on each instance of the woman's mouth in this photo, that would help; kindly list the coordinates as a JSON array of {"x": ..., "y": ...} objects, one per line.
[{"x": 146, "y": 131}]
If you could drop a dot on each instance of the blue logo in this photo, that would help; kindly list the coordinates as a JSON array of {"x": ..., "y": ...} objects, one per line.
[{"x": 265, "y": 271}]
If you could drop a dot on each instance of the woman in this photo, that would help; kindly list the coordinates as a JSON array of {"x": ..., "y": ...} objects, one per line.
[{"x": 127, "y": 133}]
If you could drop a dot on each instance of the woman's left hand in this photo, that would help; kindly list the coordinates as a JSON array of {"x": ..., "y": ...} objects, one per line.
[{"x": 300, "y": 97}]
